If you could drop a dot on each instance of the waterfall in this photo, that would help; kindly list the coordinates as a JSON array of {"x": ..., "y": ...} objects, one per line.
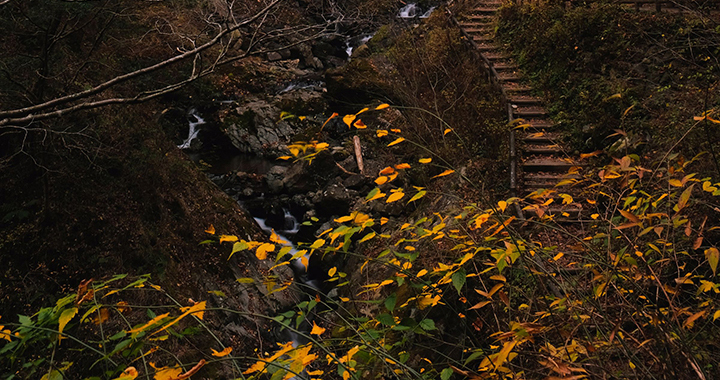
[
  {"x": 428, "y": 13},
  {"x": 408, "y": 11},
  {"x": 296, "y": 265},
  {"x": 193, "y": 132}
]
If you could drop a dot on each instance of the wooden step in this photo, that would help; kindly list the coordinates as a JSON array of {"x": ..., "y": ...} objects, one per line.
[
  {"x": 542, "y": 137},
  {"x": 543, "y": 149},
  {"x": 481, "y": 18},
  {"x": 487, "y": 47},
  {"x": 505, "y": 66},
  {"x": 525, "y": 100},
  {"x": 529, "y": 111},
  {"x": 485, "y": 10},
  {"x": 482, "y": 38},
  {"x": 494, "y": 56},
  {"x": 547, "y": 164},
  {"x": 482, "y": 29},
  {"x": 509, "y": 77},
  {"x": 539, "y": 124},
  {"x": 515, "y": 88}
]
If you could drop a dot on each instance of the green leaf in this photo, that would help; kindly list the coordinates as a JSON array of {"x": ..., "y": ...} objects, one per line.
[
  {"x": 373, "y": 193},
  {"x": 417, "y": 196},
  {"x": 390, "y": 302},
  {"x": 458, "y": 279},
  {"x": 427, "y": 324},
  {"x": 446, "y": 373},
  {"x": 386, "y": 319}
]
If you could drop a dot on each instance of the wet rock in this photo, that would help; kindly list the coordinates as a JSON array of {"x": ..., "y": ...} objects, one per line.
[
  {"x": 256, "y": 128},
  {"x": 275, "y": 178},
  {"x": 335, "y": 200},
  {"x": 356, "y": 182},
  {"x": 274, "y": 56}
]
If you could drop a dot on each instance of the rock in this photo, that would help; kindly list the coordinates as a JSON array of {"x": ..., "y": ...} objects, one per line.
[
  {"x": 274, "y": 56},
  {"x": 317, "y": 63},
  {"x": 356, "y": 181},
  {"x": 256, "y": 128},
  {"x": 275, "y": 178},
  {"x": 335, "y": 200}
]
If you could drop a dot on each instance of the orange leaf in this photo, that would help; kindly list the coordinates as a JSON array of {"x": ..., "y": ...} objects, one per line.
[
  {"x": 262, "y": 251},
  {"x": 330, "y": 118},
  {"x": 348, "y": 119},
  {"x": 222, "y": 353},
  {"x": 387, "y": 170},
  {"x": 211, "y": 230},
  {"x": 359, "y": 124},
  {"x": 402, "y": 166},
  {"x": 382, "y": 106},
  {"x": 630, "y": 216},
  {"x": 397, "y": 141},
  {"x": 396, "y": 195},
  {"x": 317, "y": 330},
  {"x": 446, "y": 172}
]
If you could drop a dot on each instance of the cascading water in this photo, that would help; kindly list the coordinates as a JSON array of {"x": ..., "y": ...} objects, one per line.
[
  {"x": 428, "y": 13},
  {"x": 409, "y": 11},
  {"x": 193, "y": 132}
]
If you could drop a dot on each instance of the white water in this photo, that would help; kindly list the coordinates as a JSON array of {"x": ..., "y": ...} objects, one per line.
[
  {"x": 409, "y": 11},
  {"x": 296, "y": 264},
  {"x": 428, "y": 13},
  {"x": 193, "y": 132}
]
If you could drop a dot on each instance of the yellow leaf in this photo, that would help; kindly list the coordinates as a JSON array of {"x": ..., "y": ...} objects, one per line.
[
  {"x": 148, "y": 324},
  {"x": 128, "y": 374},
  {"x": 321, "y": 146},
  {"x": 348, "y": 119},
  {"x": 685, "y": 197},
  {"x": 446, "y": 172},
  {"x": 502, "y": 205},
  {"x": 594, "y": 216},
  {"x": 396, "y": 195},
  {"x": 377, "y": 196},
  {"x": 166, "y": 373},
  {"x": 65, "y": 317},
  {"x": 211, "y": 230},
  {"x": 302, "y": 118},
  {"x": 382, "y": 106},
  {"x": 447, "y": 131},
  {"x": 284, "y": 158},
  {"x": 230, "y": 238},
  {"x": 712, "y": 255},
  {"x": 316, "y": 330},
  {"x": 197, "y": 309},
  {"x": 318, "y": 243},
  {"x": 558, "y": 256},
  {"x": 395, "y": 130},
  {"x": 675, "y": 182},
  {"x": 716, "y": 315},
  {"x": 361, "y": 111},
  {"x": 381, "y": 133},
  {"x": 367, "y": 237},
  {"x": 222, "y": 353},
  {"x": 381, "y": 180},
  {"x": 383, "y": 219},
  {"x": 425, "y": 160},
  {"x": 402, "y": 166},
  {"x": 275, "y": 238},
  {"x": 332, "y": 271},
  {"x": 359, "y": 124},
  {"x": 262, "y": 250},
  {"x": 397, "y": 141},
  {"x": 421, "y": 273}
]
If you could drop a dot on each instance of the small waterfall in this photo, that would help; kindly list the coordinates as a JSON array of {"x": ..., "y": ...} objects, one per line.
[
  {"x": 291, "y": 224},
  {"x": 348, "y": 49},
  {"x": 409, "y": 11},
  {"x": 297, "y": 266},
  {"x": 428, "y": 13},
  {"x": 192, "y": 134}
]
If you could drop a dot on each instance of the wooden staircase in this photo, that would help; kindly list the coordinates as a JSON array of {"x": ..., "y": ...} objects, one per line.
[{"x": 539, "y": 156}]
